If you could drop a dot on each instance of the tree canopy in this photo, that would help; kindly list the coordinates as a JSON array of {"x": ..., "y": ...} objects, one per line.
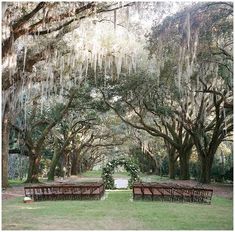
[{"x": 83, "y": 82}]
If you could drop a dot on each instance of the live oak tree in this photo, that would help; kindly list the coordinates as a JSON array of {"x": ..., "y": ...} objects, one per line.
[
  {"x": 35, "y": 134},
  {"x": 148, "y": 107},
  {"x": 197, "y": 42},
  {"x": 36, "y": 35},
  {"x": 62, "y": 143},
  {"x": 210, "y": 125},
  {"x": 68, "y": 134},
  {"x": 107, "y": 136},
  {"x": 39, "y": 35},
  {"x": 32, "y": 33}
]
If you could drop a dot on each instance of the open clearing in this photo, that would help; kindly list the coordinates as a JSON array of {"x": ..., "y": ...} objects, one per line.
[{"x": 117, "y": 211}]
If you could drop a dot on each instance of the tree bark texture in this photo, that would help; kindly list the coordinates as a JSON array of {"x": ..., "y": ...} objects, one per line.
[
  {"x": 5, "y": 146},
  {"x": 54, "y": 162},
  {"x": 206, "y": 166},
  {"x": 184, "y": 155},
  {"x": 74, "y": 163},
  {"x": 33, "y": 171},
  {"x": 171, "y": 160},
  {"x": 206, "y": 156},
  {"x": 184, "y": 167}
]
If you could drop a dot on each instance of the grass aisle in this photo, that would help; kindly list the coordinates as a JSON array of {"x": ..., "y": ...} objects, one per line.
[{"x": 117, "y": 211}]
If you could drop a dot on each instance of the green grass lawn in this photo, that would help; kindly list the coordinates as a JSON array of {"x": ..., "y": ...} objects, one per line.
[
  {"x": 143, "y": 177},
  {"x": 117, "y": 211},
  {"x": 16, "y": 182},
  {"x": 99, "y": 172}
]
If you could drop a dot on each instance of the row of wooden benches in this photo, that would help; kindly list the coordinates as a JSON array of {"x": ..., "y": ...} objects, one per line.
[
  {"x": 65, "y": 191},
  {"x": 153, "y": 191},
  {"x": 172, "y": 192}
]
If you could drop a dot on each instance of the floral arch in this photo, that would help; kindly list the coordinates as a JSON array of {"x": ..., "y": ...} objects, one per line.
[{"x": 129, "y": 166}]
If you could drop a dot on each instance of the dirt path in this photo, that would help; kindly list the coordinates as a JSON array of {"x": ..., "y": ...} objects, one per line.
[
  {"x": 223, "y": 190},
  {"x": 12, "y": 192}
]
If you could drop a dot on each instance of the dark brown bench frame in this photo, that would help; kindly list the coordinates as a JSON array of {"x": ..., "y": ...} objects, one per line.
[
  {"x": 171, "y": 192},
  {"x": 65, "y": 191}
]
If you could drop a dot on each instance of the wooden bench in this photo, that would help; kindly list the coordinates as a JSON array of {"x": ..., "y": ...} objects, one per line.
[
  {"x": 92, "y": 190},
  {"x": 171, "y": 192}
]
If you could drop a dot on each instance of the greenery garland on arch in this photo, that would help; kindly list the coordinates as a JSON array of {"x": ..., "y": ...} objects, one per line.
[{"x": 108, "y": 171}]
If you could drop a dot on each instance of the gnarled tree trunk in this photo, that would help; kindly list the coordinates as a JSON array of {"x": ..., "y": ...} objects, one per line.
[
  {"x": 184, "y": 167},
  {"x": 33, "y": 171},
  {"x": 74, "y": 168},
  {"x": 5, "y": 146},
  {"x": 171, "y": 160},
  {"x": 76, "y": 161},
  {"x": 54, "y": 162},
  {"x": 206, "y": 156},
  {"x": 184, "y": 155},
  {"x": 206, "y": 166},
  {"x": 206, "y": 152}
]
